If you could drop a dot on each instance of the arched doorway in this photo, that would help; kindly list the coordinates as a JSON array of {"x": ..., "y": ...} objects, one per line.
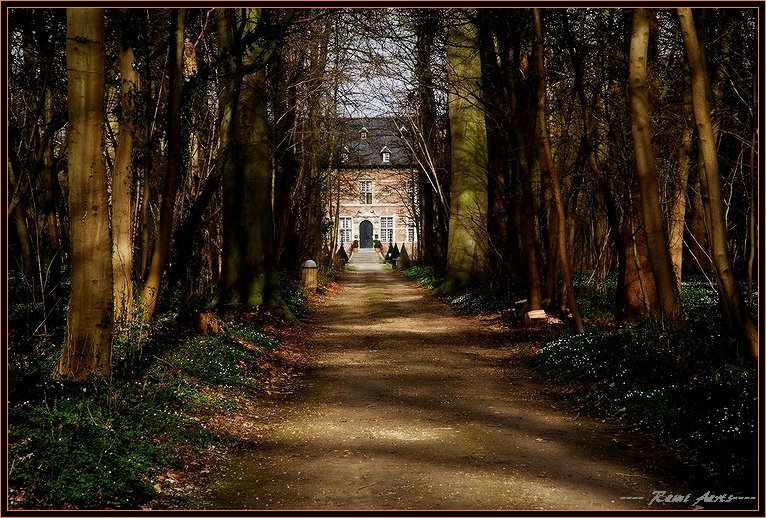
[{"x": 365, "y": 234}]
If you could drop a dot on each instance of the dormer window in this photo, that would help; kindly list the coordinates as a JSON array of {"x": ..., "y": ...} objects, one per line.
[
  {"x": 344, "y": 155},
  {"x": 385, "y": 155},
  {"x": 363, "y": 133}
]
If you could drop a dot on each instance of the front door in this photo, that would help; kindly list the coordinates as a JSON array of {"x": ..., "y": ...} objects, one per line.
[{"x": 365, "y": 234}]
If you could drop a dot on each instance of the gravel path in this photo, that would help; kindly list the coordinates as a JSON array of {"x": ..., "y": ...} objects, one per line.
[{"x": 413, "y": 407}]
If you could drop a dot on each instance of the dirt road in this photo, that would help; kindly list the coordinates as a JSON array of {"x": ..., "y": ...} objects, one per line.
[{"x": 413, "y": 407}]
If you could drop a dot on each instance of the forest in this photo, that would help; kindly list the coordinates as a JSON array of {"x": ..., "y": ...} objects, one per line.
[{"x": 173, "y": 168}]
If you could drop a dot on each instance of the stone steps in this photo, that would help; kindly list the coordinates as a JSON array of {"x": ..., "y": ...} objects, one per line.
[{"x": 366, "y": 256}]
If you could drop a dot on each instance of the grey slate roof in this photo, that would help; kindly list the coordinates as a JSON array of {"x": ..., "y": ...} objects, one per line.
[{"x": 382, "y": 134}]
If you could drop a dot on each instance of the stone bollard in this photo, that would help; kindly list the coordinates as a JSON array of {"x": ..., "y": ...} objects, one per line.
[{"x": 309, "y": 275}]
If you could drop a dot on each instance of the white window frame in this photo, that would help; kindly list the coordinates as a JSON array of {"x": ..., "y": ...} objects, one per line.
[
  {"x": 386, "y": 157},
  {"x": 345, "y": 233},
  {"x": 365, "y": 195},
  {"x": 411, "y": 234},
  {"x": 386, "y": 232}
]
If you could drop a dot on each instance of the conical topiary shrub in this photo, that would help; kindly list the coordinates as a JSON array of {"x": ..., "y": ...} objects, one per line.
[
  {"x": 342, "y": 253},
  {"x": 404, "y": 259}
]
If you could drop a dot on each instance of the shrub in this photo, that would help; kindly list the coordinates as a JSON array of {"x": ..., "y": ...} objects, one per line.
[
  {"x": 342, "y": 253},
  {"x": 404, "y": 258}
]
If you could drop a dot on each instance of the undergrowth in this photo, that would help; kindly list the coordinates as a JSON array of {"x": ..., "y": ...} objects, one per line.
[
  {"x": 102, "y": 444},
  {"x": 427, "y": 276},
  {"x": 691, "y": 388}
]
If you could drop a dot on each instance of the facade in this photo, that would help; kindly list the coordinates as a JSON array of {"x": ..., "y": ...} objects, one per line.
[{"x": 376, "y": 187}]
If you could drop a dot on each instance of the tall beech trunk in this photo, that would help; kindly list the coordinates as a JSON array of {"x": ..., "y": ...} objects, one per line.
[
  {"x": 87, "y": 351},
  {"x": 527, "y": 214},
  {"x": 151, "y": 291},
  {"x": 651, "y": 211},
  {"x": 231, "y": 84},
  {"x": 122, "y": 178},
  {"x": 248, "y": 271},
  {"x": 248, "y": 253},
  {"x": 640, "y": 288},
  {"x": 550, "y": 166},
  {"x": 467, "y": 242},
  {"x": 738, "y": 321}
]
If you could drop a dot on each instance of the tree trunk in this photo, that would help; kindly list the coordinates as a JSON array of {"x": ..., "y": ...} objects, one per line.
[
  {"x": 50, "y": 196},
  {"x": 651, "y": 210},
  {"x": 697, "y": 257},
  {"x": 151, "y": 289},
  {"x": 231, "y": 84},
  {"x": 25, "y": 242},
  {"x": 426, "y": 119},
  {"x": 286, "y": 162},
  {"x": 88, "y": 347},
  {"x": 526, "y": 222},
  {"x": 254, "y": 186},
  {"x": 710, "y": 182},
  {"x": 678, "y": 209},
  {"x": 248, "y": 272},
  {"x": 550, "y": 166},
  {"x": 122, "y": 179},
  {"x": 639, "y": 286},
  {"x": 498, "y": 153},
  {"x": 467, "y": 240},
  {"x": 521, "y": 121},
  {"x": 752, "y": 219}
]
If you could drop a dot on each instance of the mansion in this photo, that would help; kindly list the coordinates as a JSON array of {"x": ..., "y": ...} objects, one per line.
[{"x": 377, "y": 180}]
